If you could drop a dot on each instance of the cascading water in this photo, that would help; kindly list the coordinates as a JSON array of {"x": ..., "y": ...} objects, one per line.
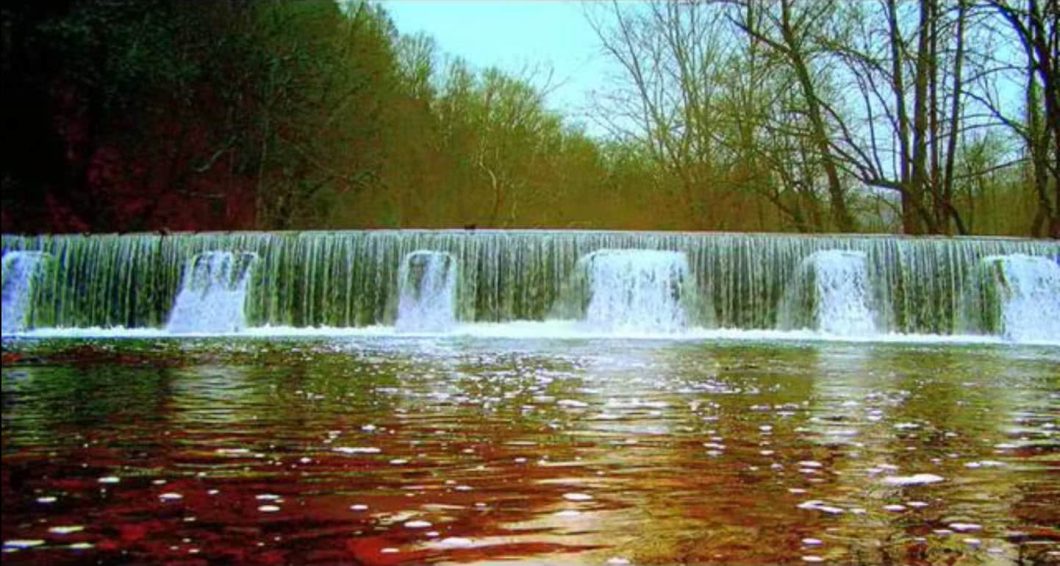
[
  {"x": 351, "y": 279},
  {"x": 427, "y": 292},
  {"x": 1016, "y": 296},
  {"x": 634, "y": 290},
  {"x": 20, "y": 271},
  {"x": 832, "y": 293},
  {"x": 213, "y": 294}
]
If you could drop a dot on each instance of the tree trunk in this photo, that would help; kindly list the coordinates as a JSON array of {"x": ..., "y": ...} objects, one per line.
[
  {"x": 910, "y": 219},
  {"x": 955, "y": 120},
  {"x": 919, "y": 178},
  {"x": 840, "y": 215}
]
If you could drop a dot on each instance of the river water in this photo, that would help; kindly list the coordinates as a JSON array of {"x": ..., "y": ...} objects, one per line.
[{"x": 462, "y": 449}]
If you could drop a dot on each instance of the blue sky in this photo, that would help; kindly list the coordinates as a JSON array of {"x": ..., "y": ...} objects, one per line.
[{"x": 516, "y": 35}]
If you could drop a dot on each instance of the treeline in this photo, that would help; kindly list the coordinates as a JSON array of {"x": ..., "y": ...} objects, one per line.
[
  {"x": 125, "y": 115},
  {"x": 927, "y": 116}
]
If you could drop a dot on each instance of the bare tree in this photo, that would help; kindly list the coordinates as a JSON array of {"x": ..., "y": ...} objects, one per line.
[
  {"x": 671, "y": 54},
  {"x": 793, "y": 28},
  {"x": 1035, "y": 24}
]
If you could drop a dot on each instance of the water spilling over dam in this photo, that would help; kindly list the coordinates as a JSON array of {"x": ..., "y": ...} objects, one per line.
[
  {"x": 427, "y": 292},
  {"x": 1017, "y": 296},
  {"x": 638, "y": 290},
  {"x": 212, "y": 293},
  {"x": 629, "y": 281},
  {"x": 832, "y": 292},
  {"x": 21, "y": 270}
]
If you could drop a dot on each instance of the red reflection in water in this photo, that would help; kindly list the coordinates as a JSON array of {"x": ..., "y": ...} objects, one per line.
[{"x": 298, "y": 453}]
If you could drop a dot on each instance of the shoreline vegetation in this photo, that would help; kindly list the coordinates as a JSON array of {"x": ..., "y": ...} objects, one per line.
[{"x": 922, "y": 118}]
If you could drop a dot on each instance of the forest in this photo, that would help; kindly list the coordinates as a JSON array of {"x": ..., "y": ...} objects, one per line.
[{"x": 891, "y": 116}]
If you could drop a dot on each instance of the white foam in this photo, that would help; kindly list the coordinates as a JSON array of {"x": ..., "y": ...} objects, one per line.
[
  {"x": 1032, "y": 302},
  {"x": 1017, "y": 294},
  {"x": 832, "y": 293},
  {"x": 20, "y": 269},
  {"x": 523, "y": 330},
  {"x": 212, "y": 294},
  {"x": 635, "y": 290},
  {"x": 915, "y": 479},
  {"x": 427, "y": 292}
]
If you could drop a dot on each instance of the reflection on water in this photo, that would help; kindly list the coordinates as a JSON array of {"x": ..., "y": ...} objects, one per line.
[{"x": 392, "y": 450}]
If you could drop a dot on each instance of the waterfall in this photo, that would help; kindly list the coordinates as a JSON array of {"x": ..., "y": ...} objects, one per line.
[
  {"x": 348, "y": 279},
  {"x": 20, "y": 270},
  {"x": 634, "y": 290},
  {"x": 427, "y": 292},
  {"x": 832, "y": 293},
  {"x": 1016, "y": 296},
  {"x": 213, "y": 293}
]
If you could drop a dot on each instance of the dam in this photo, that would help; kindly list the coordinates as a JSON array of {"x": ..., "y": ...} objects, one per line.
[{"x": 826, "y": 285}]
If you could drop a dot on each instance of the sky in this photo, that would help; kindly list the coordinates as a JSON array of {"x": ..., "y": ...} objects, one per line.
[{"x": 517, "y": 35}]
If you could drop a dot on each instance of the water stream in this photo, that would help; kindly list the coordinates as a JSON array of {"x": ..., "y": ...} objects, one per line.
[
  {"x": 832, "y": 292},
  {"x": 212, "y": 294},
  {"x": 1016, "y": 296},
  {"x": 427, "y": 294},
  {"x": 632, "y": 290},
  {"x": 21, "y": 270},
  {"x": 414, "y": 450},
  {"x": 345, "y": 281}
]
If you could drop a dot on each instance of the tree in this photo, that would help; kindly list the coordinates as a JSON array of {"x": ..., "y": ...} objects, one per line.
[
  {"x": 1035, "y": 24},
  {"x": 671, "y": 53},
  {"x": 793, "y": 44}
]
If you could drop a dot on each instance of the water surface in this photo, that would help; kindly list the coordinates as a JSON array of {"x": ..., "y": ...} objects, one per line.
[{"x": 390, "y": 450}]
